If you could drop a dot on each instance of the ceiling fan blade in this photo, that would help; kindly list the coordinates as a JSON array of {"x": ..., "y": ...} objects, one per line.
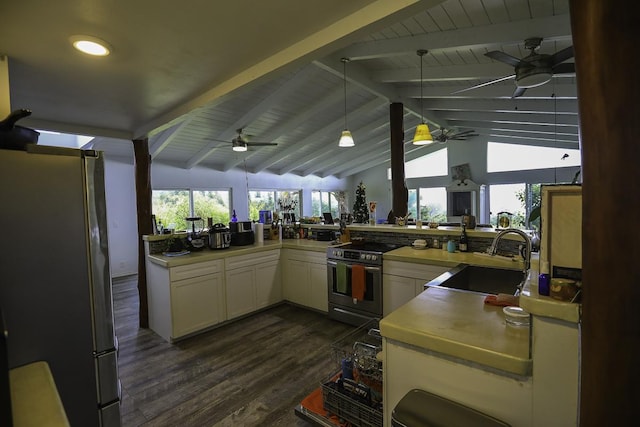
[
  {"x": 565, "y": 68},
  {"x": 261, "y": 143},
  {"x": 464, "y": 132},
  {"x": 217, "y": 140},
  {"x": 561, "y": 55},
  {"x": 463, "y": 137},
  {"x": 503, "y": 57},
  {"x": 518, "y": 92},
  {"x": 501, "y": 79}
]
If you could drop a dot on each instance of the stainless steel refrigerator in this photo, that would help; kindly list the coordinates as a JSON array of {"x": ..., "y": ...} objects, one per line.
[{"x": 55, "y": 281}]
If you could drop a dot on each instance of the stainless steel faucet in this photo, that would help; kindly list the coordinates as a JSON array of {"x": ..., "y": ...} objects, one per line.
[{"x": 527, "y": 256}]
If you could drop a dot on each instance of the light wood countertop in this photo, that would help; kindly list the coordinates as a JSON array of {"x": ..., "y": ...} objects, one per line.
[
  {"x": 447, "y": 259},
  {"x": 34, "y": 397},
  {"x": 458, "y": 324},
  {"x": 210, "y": 254}
]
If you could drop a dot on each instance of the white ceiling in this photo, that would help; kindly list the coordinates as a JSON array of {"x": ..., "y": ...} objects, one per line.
[{"x": 188, "y": 73}]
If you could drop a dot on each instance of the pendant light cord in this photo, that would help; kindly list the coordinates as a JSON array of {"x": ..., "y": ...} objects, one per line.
[
  {"x": 421, "y": 53},
  {"x": 344, "y": 78}
]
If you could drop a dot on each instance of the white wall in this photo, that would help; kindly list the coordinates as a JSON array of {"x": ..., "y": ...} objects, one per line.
[
  {"x": 473, "y": 152},
  {"x": 121, "y": 217},
  {"x": 170, "y": 177},
  {"x": 121, "y": 198}
]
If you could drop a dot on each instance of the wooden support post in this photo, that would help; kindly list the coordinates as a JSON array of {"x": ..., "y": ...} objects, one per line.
[
  {"x": 399, "y": 192},
  {"x": 605, "y": 35},
  {"x": 143, "y": 200}
]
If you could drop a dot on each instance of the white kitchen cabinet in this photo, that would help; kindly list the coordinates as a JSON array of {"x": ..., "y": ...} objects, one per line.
[
  {"x": 252, "y": 282},
  {"x": 268, "y": 284},
  {"x": 185, "y": 299},
  {"x": 403, "y": 281},
  {"x": 305, "y": 278},
  {"x": 196, "y": 303},
  {"x": 319, "y": 287},
  {"x": 241, "y": 291},
  {"x": 506, "y": 397}
]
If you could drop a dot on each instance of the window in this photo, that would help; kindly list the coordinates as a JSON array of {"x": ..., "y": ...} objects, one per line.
[
  {"x": 504, "y": 198},
  {"x": 325, "y": 201},
  {"x": 281, "y": 201},
  {"x": 171, "y": 207},
  {"x": 212, "y": 204},
  {"x": 511, "y": 157},
  {"x": 261, "y": 200},
  {"x": 433, "y": 204},
  {"x": 432, "y": 164}
]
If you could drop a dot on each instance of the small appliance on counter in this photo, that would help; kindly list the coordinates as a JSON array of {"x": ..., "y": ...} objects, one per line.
[
  {"x": 325, "y": 235},
  {"x": 219, "y": 236},
  {"x": 241, "y": 233},
  {"x": 195, "y": 237}
]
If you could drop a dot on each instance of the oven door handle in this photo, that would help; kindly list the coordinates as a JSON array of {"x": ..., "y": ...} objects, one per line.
[{"x": 366, "y": 267}]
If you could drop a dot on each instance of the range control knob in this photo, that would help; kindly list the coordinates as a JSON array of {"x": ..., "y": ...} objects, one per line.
[{"x": 374, "y": 257}]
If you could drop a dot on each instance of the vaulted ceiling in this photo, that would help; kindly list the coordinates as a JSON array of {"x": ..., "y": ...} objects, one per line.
[{"x": 189, "y": 76}]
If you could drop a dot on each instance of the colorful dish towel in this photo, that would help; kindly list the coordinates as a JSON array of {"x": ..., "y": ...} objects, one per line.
[
  {"x": 502, "y": 300},
  {"x": 358, "y": 285},
  {"x": 341, "y": 277}
]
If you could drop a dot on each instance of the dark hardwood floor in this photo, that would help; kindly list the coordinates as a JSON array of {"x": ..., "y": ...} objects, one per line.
[{"x": 251, "y": 372}]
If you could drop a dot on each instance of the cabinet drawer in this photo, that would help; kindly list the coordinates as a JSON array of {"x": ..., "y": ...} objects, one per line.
[
  {"x": 413, "y": 270},
  {"x": 306, "y": 256},
  {"x": 195, "y": 270},
  {"x": 249, "y": 260}
]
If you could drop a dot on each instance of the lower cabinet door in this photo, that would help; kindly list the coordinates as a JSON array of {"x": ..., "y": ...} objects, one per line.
[
  {"x": 296, "y": 282},
  {"x": 241, "y": 291},
  {"x": 396, "y": 291},
  {"x": 268, "y": 286},
  {"x": 195, "y": 304},
  {"x": 319, "y": 287}
]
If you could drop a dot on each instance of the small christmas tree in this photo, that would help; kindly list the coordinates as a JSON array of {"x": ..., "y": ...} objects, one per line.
[{"x": 360, "y": 208}]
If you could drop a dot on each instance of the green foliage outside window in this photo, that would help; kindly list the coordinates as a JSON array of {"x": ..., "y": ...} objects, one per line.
[
  {"x": 171, "y": 207},
  {"x": 212, "y": 204}
]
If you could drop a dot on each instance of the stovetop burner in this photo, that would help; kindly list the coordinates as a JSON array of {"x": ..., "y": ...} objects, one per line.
[{"x": 371, "y": 247}]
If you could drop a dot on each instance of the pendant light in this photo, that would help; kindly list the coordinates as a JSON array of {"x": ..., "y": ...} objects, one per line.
[
  {"x": 423, "y": 135},
  {"x": 346, "y": 140}
]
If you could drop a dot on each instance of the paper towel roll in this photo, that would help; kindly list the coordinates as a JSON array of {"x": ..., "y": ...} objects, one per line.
[{"x": 258, "y": 231}]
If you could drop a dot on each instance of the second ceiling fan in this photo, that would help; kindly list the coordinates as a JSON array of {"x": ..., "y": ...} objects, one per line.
[
  {"x": 534, "y": 69},
  {"x": 240, "y": 143}
]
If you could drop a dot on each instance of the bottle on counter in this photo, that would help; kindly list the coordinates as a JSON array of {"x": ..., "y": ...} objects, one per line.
[
  {"x": 544, "y": 280},
  {"x": 464, "y": 240},
  {"x": 234, "y": 218}
]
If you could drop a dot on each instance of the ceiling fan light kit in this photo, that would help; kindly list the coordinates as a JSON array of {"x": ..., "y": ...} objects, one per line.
[
  {"x": 239, "y": 144},
  {"x": 346, "y": 140},
  {"x": 422, "y": 135}
]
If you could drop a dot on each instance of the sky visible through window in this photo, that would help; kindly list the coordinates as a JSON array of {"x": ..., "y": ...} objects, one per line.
[{"x": 512, "y": 157}]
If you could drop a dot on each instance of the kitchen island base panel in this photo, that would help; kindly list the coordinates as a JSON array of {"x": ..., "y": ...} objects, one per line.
[{"x": 505, "y": 397}]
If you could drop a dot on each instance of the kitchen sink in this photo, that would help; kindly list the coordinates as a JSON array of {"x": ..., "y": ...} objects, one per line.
[{"x": 489, "y": 280}]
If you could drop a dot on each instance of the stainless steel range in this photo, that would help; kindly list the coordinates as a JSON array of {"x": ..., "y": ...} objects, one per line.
[{"x": 354, "y": 274}]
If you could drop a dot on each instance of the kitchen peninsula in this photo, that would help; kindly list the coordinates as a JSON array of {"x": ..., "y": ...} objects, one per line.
[{"x": 441, "y": 340}]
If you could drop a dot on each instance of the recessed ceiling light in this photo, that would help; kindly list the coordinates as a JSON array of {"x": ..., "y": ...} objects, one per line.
[{"x": 91, "y": 45}]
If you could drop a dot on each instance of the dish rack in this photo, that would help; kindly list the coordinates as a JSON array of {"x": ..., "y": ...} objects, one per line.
[{"x": 354, "y": 393}]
